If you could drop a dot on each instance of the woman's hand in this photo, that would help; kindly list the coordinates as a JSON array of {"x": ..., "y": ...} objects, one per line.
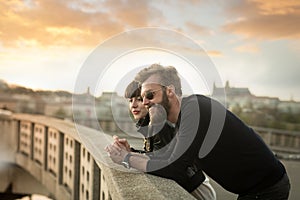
[
  {"x": 122, "y": 143},
  {"x": 116, "y": 153}
]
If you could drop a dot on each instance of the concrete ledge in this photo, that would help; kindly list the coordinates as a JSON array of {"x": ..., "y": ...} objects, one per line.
[{"x": 129, "y": 185}]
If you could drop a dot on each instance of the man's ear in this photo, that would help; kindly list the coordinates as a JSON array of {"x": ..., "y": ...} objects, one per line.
[{"x": 171, "y": 91}]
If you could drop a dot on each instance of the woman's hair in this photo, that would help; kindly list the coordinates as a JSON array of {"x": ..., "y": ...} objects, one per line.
[{"x": 133, "y": 90}]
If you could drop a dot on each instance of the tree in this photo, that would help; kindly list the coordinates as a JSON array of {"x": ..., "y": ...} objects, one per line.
[{"x": 60, "y": 113}]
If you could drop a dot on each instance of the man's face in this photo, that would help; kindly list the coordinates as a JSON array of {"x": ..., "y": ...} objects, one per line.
[{"x": 154, "y": 93}]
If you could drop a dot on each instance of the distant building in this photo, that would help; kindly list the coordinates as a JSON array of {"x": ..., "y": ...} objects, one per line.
[
  {"x": 113, "y": 113},
  {"x": 234, "y": 96},
  {"x": 291, "y": 106},
  {"x": 22, "y": 103},
  {"x": 243, "y": 98},
  {"x": 109, "y": 111},
  {"x": 261, "y": 102},
  {"x": 8, "y": 103},
  {"x": 83, "y": 107},
  {"x": 59, "y": 109}
]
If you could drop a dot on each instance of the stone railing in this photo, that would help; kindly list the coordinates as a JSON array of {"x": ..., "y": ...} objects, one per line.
[
  {"x": 280, "y": 140},
  {"x": 51, "y": 151}
]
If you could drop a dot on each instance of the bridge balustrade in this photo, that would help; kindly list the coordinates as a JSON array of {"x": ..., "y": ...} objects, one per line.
[
  {"x": 51, "y": 150},
  {"x": 280, "y": 140}
]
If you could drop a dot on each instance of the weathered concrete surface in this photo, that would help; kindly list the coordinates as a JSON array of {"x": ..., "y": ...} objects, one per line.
[{"x": 130, "y": 185}]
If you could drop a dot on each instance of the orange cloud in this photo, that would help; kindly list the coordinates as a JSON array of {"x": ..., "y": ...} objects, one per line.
[
  {"x": 262, "y": 19},
  {"x": 214, "y": 53},
  {"x": 134, "y": 13},
  {"x": 250, "y": 48},
  {"x": 56, "y": 22},
  {"x": 195, "y": 28},
  {"x": 278, "y": 7}
]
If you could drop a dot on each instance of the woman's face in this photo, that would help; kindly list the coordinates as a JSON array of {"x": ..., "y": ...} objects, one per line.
[{"x": 137, "y": 108}]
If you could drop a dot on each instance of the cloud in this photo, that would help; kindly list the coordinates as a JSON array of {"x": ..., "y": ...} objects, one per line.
[
  {"x": 197, "y": 29},
  {"x": 274, "y": 19},
  {"x": 248, "y": 48},
  {"x": 70, "y": 22},
  {"x": 134, "y": 13},
  {"x": 214, "y": 53},
  {"x": 278, "y": 7}
]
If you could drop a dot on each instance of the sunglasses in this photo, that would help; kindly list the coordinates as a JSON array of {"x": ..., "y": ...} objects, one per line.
[{"x": 150, "y": 94}]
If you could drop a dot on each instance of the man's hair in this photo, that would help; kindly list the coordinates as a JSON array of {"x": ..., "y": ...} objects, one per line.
[
  {"x": 133, "y": 90},
  {"x": 167, "y": 76}
]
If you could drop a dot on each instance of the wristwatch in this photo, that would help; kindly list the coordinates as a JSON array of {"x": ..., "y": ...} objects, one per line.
[{"x": 125, "y": 162}]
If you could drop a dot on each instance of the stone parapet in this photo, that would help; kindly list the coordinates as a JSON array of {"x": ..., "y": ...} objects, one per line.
[{"x": 79, "y": 174}]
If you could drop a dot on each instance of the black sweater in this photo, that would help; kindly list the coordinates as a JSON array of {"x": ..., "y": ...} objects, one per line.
[
  {"x": 156, "y": 145},
  {"x": 216, "y": 141}
]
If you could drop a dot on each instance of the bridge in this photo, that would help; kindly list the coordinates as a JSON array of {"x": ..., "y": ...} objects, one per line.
[{"x": 51, "y": 151}]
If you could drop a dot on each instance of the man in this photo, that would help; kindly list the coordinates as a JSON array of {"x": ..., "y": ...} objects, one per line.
[
  {"x": 237, "y": 159},
  {"x": 158, "y": 134}
]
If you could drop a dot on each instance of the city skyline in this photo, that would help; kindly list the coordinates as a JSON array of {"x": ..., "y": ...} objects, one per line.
[
  {"x": 12, "y": 85},
  {"x": 252, "y": 43}
]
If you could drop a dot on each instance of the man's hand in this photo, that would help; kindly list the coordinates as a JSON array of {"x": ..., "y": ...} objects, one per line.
[
  {"x": 158, "y": 117},
  {"x": 158, "y": 114}
]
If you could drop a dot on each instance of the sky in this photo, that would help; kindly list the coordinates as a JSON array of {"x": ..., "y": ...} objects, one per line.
[{"x": 253, "y": 43}]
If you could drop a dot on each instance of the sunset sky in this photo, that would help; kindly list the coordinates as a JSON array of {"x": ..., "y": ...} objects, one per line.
[{"x": 253, "y": 43}]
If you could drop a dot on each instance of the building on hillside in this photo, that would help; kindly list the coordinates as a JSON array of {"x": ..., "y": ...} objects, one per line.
[
  {"x": 234, "y": 96},
  {"x": 262, "y": 102},
  {"x": 109, "y": 112},
  {"x": 84, "y": 109},
  {"x": 291, "y": 106},
  {"x": 59, "y": 109},
  {"x": 8, "y": 103},
  {"x": 242, "y": 97},
  {"x": 22, "y": 103}
]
